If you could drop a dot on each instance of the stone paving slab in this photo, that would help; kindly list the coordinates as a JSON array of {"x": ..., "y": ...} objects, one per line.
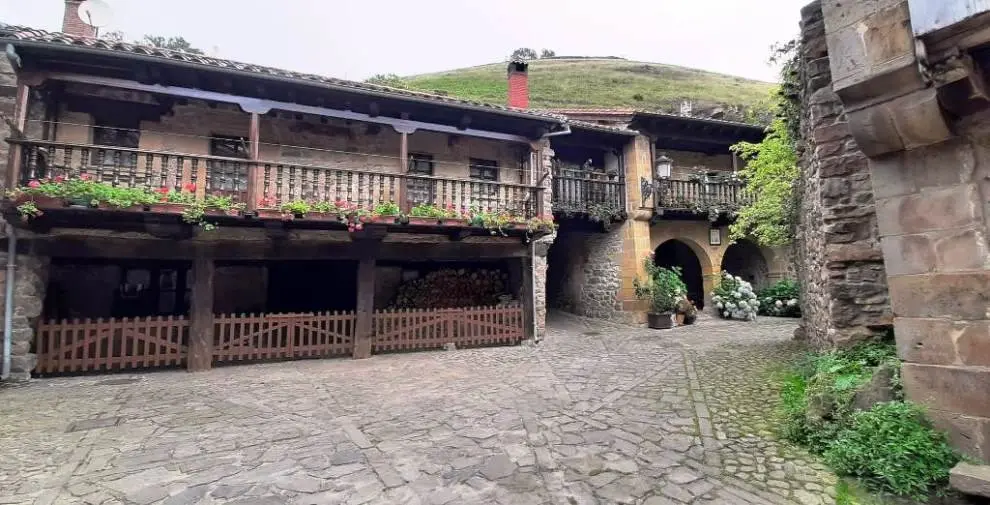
[{"x": 598, "y": 413}]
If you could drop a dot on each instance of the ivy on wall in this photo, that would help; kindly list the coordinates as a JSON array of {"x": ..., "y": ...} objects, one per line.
[{"x": 771, "y": 172}]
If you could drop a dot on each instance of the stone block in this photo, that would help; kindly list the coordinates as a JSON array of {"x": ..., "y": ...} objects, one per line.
[
  {"x": 969, "y": 479},
  {"x": 867, "y": 39},
  {"x": 908, "y": 254},
  {"x": 928, "y": 341},
  {"x": 969, "y": 435},
  {"x": 960, "y": 250},
  {"x": 950, "y": 388},
  {"x": 890, "y": 177},
  {"x": 853, "y": 252},
  {"x": 950, "y": 295},
  {"x": 938, "y": 209}
]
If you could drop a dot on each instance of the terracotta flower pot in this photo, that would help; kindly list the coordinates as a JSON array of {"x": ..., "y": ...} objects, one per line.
[
  {"x": 679, "y": 319},
  {"x": 42, "y": 201},
  {"x": 384, "y": 219},
  {"x": 660, "y": 321},
  {"x": 132, "y": 208},
  {"x": 222, "y": 212},
  {"x": 273, "y": 214},
  {"x": 322, "y": 216},
  {"x": 455, "y": 222}
]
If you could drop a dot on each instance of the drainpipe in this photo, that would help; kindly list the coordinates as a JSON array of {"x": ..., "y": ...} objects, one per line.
[{"x": 8, "y": 301}]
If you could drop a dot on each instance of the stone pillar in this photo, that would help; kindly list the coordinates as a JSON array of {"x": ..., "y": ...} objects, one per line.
[
  {"x": 365, "y": 307},
  {"x": 932, "y": 191},
  {"x": 544, "y": 158},
  {"x": 30, "y": 281},
  {"x": 635, "y": 232},
  {"x": 844, "y": 291}
]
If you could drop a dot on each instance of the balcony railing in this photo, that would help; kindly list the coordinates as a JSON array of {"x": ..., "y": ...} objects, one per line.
[
  {"x": 279, "y": 182},
  {"x": 580, "y": 190},
  {"x": 701, "y": 196}
]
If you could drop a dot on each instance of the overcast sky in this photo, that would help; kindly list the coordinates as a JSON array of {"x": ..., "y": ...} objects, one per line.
[{"x": 354, "y": 39}]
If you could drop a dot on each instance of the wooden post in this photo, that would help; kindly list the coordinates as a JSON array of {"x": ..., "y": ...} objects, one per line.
[
  {"x": 365, "y": 307},
  {"x": 404, "y": 170},
  {"x": 20, "y": 120},
  {"x": 201, "y": 315},
  {"x": 254, "y": 169}
]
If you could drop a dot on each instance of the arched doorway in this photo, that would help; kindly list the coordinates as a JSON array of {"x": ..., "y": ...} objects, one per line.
[
  {"x": 674, "y": 253},
  {"x": 745, "y": 259}
]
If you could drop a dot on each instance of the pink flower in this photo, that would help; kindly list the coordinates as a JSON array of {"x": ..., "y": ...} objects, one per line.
[
  {"x": 60, "y": 178},
  {"x": 33, "y": 184},
  {"x": 190, "y": 187},
  {"x": 162, "y": 190},
  {"x": 84, "y": 177}
]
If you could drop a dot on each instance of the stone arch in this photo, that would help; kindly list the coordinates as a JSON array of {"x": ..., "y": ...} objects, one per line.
[
  {"x": 694, "y": 264},
  {"x": 747, "y": 260}
]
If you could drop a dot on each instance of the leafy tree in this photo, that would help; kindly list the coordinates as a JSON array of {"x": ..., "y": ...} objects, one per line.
[
  {"x": 770, "y": 174},
  {"x": 524, "y": 53},
  {"x": 391, "y": 80},
  {"x": 173, "y": 43},
  {"x": 548, "y": 53}
]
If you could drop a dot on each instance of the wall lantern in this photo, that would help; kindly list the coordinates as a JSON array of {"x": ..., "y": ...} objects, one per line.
[
  {"x": 661, "y": 171},
  {"x": 715, "y": 236}
]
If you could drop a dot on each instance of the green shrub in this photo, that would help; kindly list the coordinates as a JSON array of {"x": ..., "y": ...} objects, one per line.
[
  {"x": 816, "y": 412},
  {"x": 780, "y": 300},
  {"x": 893, "y": 448}
]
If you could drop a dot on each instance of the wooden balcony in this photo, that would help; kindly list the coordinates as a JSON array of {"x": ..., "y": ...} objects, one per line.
[
  {"x": 588, "y": 192},
  {"x": 275, "y": 181},
  {"x": 700, "y": 197}
]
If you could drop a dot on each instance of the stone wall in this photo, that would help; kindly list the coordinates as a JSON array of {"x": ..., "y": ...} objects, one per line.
[
  {"x": 30, "y": 280},
  {"x": 844, "y": 288},
  {"x": 584, "y": 275}
]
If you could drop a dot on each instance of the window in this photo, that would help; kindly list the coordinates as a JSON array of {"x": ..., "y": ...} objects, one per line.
[
  {"x": 228, "y": 177},
  {"x": 420, "y": 190},
  {"x": 484, "y": 196},
  {"x": 114, "y": 130}
]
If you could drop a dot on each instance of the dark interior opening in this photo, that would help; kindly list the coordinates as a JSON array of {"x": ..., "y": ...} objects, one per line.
[{"x": 674, "y": 253}]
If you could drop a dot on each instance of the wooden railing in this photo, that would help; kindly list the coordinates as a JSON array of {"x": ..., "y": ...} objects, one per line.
[
  {"x": 577, "y": 190},
  {"x": 280, "y": 182},
  {"x": 696, "y": 195}
]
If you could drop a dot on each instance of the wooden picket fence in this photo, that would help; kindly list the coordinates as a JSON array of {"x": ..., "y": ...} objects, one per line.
[
  {"x": 419, "y": 329},
  {"x": 104, "y": 345},
  {"x": 257, "y": 337}
]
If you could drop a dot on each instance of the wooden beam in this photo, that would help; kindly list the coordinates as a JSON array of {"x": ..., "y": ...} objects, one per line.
[
  {"x": 20, "y": 122},
  {"x": 254, "y": 183},
  {"x": 403, "y": 169},
  {"x": 201, "y": 315},
  {"x": 262, "y": 106},
  {"x": 365, "y": 307}
]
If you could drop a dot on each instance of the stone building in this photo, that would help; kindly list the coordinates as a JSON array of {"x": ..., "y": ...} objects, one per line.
[
  {"x": 910, "y": 77},
  {"x": 136, "y": 286}
]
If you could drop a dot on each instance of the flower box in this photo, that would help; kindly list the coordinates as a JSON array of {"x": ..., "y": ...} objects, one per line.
[
  {"x": 423, "y": 221},
  {"x": 222, "y": 212},
  {"x": 273, "y": 214},
  {"x": 167, "y": 208},
  {"x": 384, "y": 219},
  {"x": 132, "y": 208},
  {"x": 40, "y": 201},
  {"x": 454, "y": 222},
  {"x": 323, "y": 216}
]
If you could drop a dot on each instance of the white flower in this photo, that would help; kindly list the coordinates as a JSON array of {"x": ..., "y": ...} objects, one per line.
[
  {"x": 719, "y": 305},
  {"x": 738, "y": 279},
  {"x": 756, "y": 303},
  {"x": 792, "y": 302},
  {"x": 725, "y": 314},
  {"x": 778, "y": 303}
]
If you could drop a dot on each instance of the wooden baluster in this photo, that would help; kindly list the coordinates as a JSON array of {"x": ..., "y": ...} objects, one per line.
[
  {"x": 360, "y": 190},
  {"x": 266, "y": 181},
  {"x": 381, "y": 190},
  {"x": 465, "y": 202},
  {"x": 340, "y": 178},
  {"x": 350, "y": 189},
  {"x": 391, "y": 188},
  {"x": 180, "y": 163},
  {"x": 279, "y": 183}
]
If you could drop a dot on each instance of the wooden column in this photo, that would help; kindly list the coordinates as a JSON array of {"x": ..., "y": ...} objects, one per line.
[
  {"x": 201, "y": 315},
  {"x": 365, "y": 307},
  {"x": 254, "y": 184},
  {"x": 20, "y": 121}
]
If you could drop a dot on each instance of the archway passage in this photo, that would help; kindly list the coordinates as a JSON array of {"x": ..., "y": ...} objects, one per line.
[
  {"x": 744, "y": 259},
  {"x": 674, "y": 253}
]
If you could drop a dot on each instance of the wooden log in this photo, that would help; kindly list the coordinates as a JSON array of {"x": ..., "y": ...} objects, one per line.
[{"x": 201, "y": 315}]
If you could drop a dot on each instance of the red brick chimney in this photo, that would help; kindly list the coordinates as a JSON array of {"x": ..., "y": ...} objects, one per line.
[
  {"x": 72, "y": 24},
  {"x": 519, "y": 84}
]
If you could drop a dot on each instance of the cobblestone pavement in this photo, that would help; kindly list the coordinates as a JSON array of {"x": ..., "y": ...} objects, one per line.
[{"x": 597, "y": 413}]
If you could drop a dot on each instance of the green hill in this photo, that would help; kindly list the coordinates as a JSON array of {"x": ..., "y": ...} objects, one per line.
[{"x": 604, "y": 82}]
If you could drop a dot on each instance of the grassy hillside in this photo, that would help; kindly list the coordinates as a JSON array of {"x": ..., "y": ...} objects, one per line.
[{"x": 584, "y": 83}]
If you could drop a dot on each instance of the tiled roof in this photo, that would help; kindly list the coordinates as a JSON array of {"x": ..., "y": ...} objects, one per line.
[
  {"x": 595, "y": 112},
  {"x": 587, "y": 125},
  {"x": 724, "y": 122},
  {"x": 56, "y": 39}
]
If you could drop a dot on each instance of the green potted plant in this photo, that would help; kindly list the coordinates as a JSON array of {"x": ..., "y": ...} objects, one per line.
[
  {"x": 326, "y": 211},
  {"x": 663, "y": 288},
  {"x": 295, "y": 209},
  {"x": 386, "y": 213},
  {"x": 220, "y": 205},
  {"x": 170, "y": 201},
  {"x": 426, "y": 214},
  {"x": 268, "y": 208}
]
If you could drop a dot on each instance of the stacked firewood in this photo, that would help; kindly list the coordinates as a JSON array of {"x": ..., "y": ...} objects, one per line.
[{"x": 453, "y": 288}]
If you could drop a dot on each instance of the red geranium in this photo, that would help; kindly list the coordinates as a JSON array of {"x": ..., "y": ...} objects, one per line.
[
  {"x": 84, "y": 177},
  {"x": 190, "y": 187},
  {"x": 33, "y": 184},
  {"x": 60, "y": 178}
]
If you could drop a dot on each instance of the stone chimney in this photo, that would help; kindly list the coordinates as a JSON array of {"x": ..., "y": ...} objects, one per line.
[
  {"x": 519, "y": 84},
  {"x": 72, "y": 24}
]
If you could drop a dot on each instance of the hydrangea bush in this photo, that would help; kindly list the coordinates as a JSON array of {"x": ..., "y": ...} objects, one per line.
[
  {"x": 734, "y": 298},
  {"x": 780, "y": 300}
]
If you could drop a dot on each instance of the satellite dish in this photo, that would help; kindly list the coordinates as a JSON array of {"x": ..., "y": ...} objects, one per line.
[{"x": 95, "y": 13}]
